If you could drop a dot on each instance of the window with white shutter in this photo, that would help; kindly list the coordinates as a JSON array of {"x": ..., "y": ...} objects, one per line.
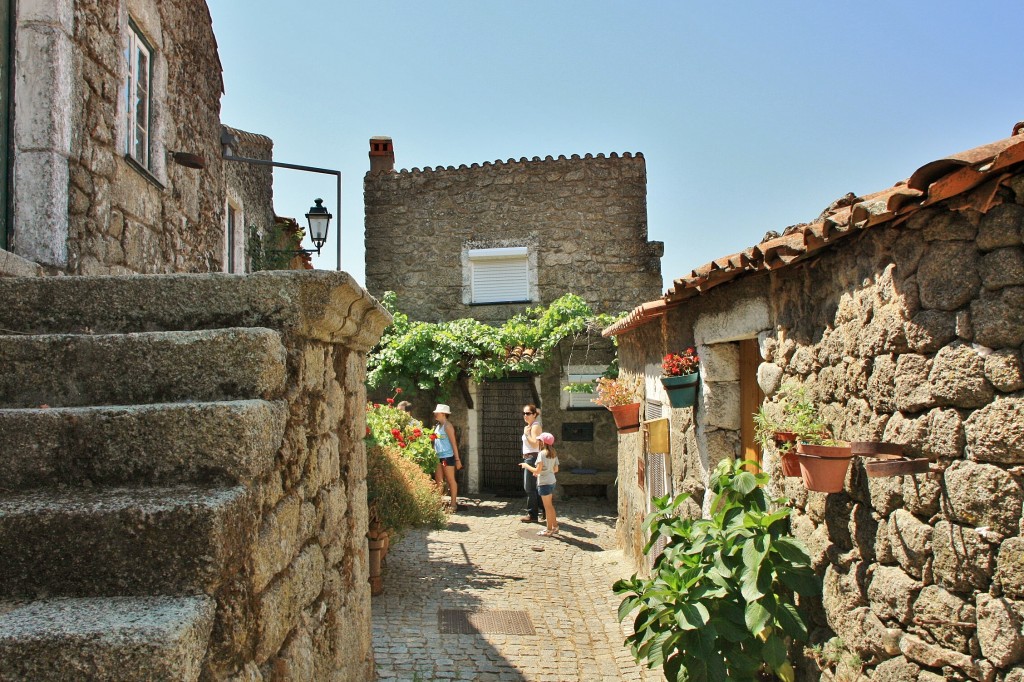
[
  {"x": 138, "y": 96},
  {"x": 499, "y": 275}
]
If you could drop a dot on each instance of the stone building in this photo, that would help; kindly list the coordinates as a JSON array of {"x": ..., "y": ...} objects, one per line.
[
  {"x": 902, "y": 313},
  {"x": 112, "y": 107},
  {"x": 488, "y": 240}
]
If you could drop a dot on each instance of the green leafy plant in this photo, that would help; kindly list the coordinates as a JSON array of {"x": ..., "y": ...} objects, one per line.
[
  {"x": 616, "y": 392},
  {"x": 433, "y": 356},
  {"x": 719, "y": 604},
  {"x": 389, "y": 426},
  {"x": 277, "y": 248},
  {"x": 399, "y": 495},
  {"x": 799, "y": 416}
]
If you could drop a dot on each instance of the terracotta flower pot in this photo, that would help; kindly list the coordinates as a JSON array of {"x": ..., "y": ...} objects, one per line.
[
  {"x": 627, "y": 417},
  {"x": 682, "y": 390},
  {"x": 790, "y": 465},
  {"x": 781, "y": 437},
  {"x": 824, "y": 467}
]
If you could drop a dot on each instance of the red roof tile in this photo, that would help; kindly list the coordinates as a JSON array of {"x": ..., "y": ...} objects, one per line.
[{"x": 986, "y": 168}]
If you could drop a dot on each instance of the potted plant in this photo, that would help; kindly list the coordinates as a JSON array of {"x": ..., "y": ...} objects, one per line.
[
  {"x": 823, "y": 462},
  {"x": 769, "y": 431},
  {"x": 621, "y": 397},
  {"x": 719, "y": 604},
  {"x": 799, "y": 421},
  {"x": 680, "y": 377}
]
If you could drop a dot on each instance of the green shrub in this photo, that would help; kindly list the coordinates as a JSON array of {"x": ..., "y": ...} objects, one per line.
[
  {"x": 398, "y": 493},
  {"x": 719, "y": 604},
  {"x": 391, "y": 427}
]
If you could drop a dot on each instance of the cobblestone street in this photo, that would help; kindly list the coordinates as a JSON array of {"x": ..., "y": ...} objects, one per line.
[{"x": 487, "y": 560}]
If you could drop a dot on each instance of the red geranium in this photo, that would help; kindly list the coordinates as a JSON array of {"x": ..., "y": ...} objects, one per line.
[
  {"x": 397, "y": 391},
  {"x": 401, "y": 444},
  {"x": 433, "y": 436},
  {"x": 674, "y": 365},
  {"x": 416, "y": 433},
  {"x": 391, "y": 401},
  {"x": 396, "y": 433}
]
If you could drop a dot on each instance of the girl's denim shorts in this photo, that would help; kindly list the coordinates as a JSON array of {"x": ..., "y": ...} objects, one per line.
[{"x": 543, "y": 490}]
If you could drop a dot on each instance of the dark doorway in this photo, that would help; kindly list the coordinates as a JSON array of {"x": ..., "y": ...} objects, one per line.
[{"x": 501, "y": 445}]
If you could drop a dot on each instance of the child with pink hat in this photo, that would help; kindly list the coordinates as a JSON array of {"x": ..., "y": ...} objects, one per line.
[{"x": 545, "y": 470}]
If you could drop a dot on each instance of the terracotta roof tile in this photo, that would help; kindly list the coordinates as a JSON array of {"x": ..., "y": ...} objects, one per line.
[{"x": 968, "y": 179}]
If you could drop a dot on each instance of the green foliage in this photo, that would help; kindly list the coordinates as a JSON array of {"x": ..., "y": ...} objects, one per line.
[
  {"x": 617, "y": 392},
  {"x": 431, "y": 356},
  {"x": 799, "y": 415},
  {"x": 391, "y": 427},
  {"x": 276, "y": 248},
  {"x": 719, "y": 604},
  {"x": 398, "y": 493}
]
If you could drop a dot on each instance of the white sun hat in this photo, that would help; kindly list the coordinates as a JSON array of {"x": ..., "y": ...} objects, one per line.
[{"x": 442, "y": 409}]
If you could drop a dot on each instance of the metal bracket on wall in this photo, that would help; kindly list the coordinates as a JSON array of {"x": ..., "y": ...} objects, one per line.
[{"x": 463, "y": 384}]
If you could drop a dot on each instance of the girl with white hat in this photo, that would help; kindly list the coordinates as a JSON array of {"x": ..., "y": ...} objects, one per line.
[{"x": 447, "y": 450}]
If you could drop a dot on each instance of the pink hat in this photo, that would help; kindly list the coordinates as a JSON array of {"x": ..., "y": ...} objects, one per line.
[{"x": 546, "y": 438}]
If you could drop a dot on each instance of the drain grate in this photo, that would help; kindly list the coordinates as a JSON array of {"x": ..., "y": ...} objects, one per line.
[{"x": 461, "y": 622}]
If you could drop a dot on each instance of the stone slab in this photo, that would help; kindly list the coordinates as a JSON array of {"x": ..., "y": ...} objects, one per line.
[{"x": 115, "y": 639}]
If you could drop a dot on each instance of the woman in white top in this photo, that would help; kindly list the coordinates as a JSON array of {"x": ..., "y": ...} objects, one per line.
[{"x": 531, "y": 447}]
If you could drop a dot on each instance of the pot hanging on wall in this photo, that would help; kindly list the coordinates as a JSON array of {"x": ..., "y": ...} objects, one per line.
[
  {"x": 790, "y": 464},
  {"x": 682, "y": 389},
  {"x": 824, "y": 467},
  {"x": 627, "y": 417}
]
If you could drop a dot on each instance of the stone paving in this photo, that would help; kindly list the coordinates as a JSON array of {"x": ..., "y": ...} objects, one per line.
[{"x": 486, "y": 559}]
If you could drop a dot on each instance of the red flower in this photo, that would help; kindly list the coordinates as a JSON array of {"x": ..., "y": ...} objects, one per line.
[
  {"x": 376, "y": 405},
  {"x": 401, "y": 444},
  {"x": 397, "y": 391},
  {"x": 433, "y": 436},
  {"x": 367, "y": 430},
  {"x": 396, "y": 433},
  {"x": 391, "y": 401},
  {"x": 416, "y": 433}
]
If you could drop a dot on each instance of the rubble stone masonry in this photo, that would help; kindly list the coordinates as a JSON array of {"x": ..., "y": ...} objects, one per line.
[{"x": 911, "y": 334}]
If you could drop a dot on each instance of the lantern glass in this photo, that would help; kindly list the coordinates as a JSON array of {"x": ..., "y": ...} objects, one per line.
[{"x": 319, "y": 222}]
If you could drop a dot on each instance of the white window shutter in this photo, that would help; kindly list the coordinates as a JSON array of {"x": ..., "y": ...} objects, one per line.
[{"x": 499, "y": 276}]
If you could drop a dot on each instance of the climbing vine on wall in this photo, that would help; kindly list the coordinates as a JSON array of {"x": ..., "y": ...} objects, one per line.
[{"x": 433, "y": 356}]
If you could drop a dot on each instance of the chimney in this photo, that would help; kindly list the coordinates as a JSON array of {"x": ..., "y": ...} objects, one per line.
[{"x": 382, "y": 154}]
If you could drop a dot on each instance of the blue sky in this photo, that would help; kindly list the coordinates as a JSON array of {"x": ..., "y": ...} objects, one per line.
[{"x": 752, "y": 115}]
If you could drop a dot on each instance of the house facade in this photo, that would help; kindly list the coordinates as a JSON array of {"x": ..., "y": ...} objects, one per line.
[
  {"x": 114, "y": 162},
  {"x": 902, "y": 315},
  {"x": 489, "y": 240}
]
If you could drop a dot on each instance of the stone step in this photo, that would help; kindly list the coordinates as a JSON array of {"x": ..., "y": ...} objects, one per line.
[
  {"x": 115, "y": 639},
  {"x": 68, "y": 370},
  {"x": 164, "y": 443},
  {"x": 125, "y": 541},
  {"x": 314, "y": 304}
]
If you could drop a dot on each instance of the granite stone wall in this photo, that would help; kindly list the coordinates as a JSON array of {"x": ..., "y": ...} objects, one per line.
[
  {"x": 79, "y": 205},
  {"x": 584, "y": 221},
  {"x": 911, "y": 334}
]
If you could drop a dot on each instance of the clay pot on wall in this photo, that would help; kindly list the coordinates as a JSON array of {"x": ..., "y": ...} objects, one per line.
[
  {"x": 790, "y": 460},
  {"x": 627, "y": 417},
  {"x": 824, "y": 467},
  {"x": 682, "y": 389},
  {"x": 888, "y": 459}
]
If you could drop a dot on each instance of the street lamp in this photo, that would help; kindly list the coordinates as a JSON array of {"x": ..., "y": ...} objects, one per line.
[{"x": 319, "y": 221}]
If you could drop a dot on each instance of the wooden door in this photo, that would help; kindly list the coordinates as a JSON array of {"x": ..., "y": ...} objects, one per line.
[{"x": 751, "y": 398}]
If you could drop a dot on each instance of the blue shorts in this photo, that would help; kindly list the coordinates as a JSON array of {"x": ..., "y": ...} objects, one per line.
[
  {"x": 447, "y": 461},
  {"x": 544, "y": 490}
]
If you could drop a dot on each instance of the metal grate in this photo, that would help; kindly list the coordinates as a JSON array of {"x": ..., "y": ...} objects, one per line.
[
  {"x": 653, "y": 410},
  {"x": 501, "y": 444},
  {"x": 657, "y": 486},
  {"x": 461, "y": 622}
]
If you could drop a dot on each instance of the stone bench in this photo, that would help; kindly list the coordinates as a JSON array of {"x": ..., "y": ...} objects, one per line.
[{"x": 569, "y": 483}]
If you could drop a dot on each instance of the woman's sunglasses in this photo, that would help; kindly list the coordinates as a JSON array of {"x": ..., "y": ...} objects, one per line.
[{"x": 527, "y": 414}]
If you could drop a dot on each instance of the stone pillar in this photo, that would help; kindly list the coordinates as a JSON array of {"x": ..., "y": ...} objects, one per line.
[{"x": 42, "y": 129}]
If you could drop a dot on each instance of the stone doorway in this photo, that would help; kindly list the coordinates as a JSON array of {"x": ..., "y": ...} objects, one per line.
[{"x": 501, "y": 435}]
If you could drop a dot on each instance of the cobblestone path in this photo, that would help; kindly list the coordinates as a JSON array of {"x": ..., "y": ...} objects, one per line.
[{"x": 486, "y": 560}]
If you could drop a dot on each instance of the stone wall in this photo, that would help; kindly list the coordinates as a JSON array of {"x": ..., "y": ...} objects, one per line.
[
  {"x": 79, "y": 205},
  {"x": 584, "y": 221},
  {"x": 250, "y": 188},
  {"x": 585, "y": 218},
  {"x": 911, "y": 334}
]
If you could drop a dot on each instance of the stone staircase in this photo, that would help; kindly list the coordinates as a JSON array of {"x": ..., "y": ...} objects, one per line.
[{"x": 135, "y": 424}]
